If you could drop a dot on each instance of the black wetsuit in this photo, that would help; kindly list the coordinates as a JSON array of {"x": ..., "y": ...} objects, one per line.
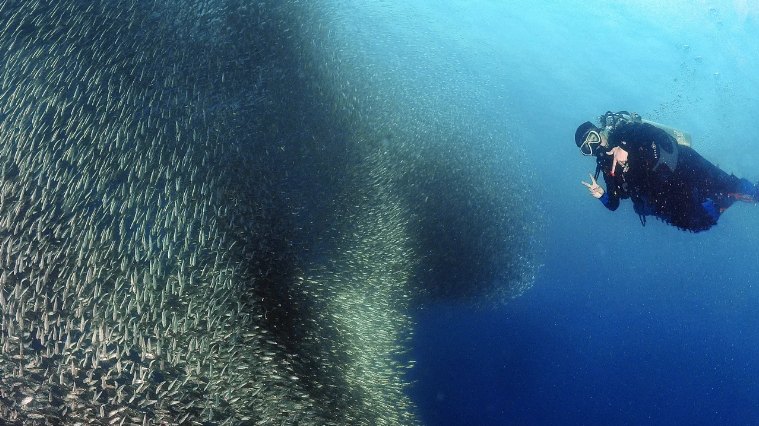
[{"x": 670, "y": 181}]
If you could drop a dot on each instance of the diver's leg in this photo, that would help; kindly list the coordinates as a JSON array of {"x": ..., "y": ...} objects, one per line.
[
  {"x": 716, "y": 184},
  {"x": 746, "y": 192}
]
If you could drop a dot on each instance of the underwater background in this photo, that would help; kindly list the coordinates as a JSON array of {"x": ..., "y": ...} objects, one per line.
[{"x": 365, "y": 213}]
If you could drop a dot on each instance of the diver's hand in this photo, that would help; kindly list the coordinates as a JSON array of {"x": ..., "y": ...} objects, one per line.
[
  {"x": 594, "y": 188},
  {"x": 620, "y": 157}
]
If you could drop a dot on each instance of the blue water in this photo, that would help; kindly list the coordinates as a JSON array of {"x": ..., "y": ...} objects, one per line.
[{"x": 625, "y": 324}]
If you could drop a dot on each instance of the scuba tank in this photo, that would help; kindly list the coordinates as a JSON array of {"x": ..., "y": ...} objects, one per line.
[
  {"x": 610, "y": 120},
  {"x": 682, "y": 137}
]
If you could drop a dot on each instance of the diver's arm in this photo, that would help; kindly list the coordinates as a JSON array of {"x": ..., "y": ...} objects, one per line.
[
  {"x": 610, "y": 199},
  {"x": 611, "y": 202}
]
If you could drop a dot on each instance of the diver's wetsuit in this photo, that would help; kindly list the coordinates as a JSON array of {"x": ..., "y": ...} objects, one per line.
[{"x": 670, "y": 181}]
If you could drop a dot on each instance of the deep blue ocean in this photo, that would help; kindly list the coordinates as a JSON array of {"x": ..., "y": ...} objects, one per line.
[{"x": 625, "y": 324}]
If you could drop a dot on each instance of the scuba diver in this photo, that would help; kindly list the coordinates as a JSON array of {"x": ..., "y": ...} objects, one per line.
[{"x": 655, "y": 167}]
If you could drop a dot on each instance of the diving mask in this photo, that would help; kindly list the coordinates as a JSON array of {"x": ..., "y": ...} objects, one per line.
[{"x": 592, "y": 143}]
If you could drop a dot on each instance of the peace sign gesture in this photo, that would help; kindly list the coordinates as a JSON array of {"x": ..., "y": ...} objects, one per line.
[{"x": 594, "y": 188}]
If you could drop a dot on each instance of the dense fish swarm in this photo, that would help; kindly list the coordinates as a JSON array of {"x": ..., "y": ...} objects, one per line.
[
  {"x": 475, "y": 228},
  {"x": 199, "y": 226}
]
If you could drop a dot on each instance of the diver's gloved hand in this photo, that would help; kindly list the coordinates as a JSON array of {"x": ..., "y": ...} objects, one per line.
[{"x": 594, "y": 188}]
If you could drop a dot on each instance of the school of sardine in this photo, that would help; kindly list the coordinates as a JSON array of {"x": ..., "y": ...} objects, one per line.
[{"x": 157, "y": 265}]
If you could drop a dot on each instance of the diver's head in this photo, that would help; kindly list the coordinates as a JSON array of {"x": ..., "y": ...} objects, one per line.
[{"x": 590, "y": 139}]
